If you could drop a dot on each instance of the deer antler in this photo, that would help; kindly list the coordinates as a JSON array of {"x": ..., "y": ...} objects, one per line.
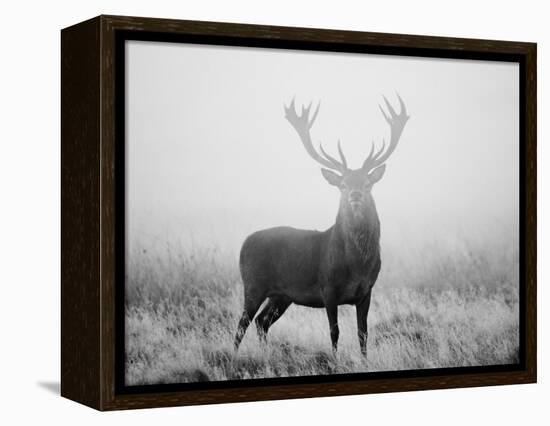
[
  {"x": 397, "y": 124},
  {"x": 302, "y": 124}
]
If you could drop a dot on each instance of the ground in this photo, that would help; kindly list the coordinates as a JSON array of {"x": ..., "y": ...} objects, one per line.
[{"x": 182, "y": 307}]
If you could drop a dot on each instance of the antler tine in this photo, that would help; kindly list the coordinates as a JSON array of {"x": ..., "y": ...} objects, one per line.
[
  {"x": 305, "y": 110},
  {"x": 375, "y": 156},
  {"x": 314, "y": 115},
  {"x": 402, "y": 105},
  {"x": 331, "y": 158},
  {"x": 384, "y": 114},
  {"x": 302, "y": 124},
  {"x": 397, "y": 124},
  {"x": 390, "y": 108},
  {"x": 342, "y": 156},
  {"x": 291, "y": 106},
  {"x": 370, "y": 153}
]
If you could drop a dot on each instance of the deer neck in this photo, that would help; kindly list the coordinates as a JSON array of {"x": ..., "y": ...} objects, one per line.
[{"x": 359, "y": 231}]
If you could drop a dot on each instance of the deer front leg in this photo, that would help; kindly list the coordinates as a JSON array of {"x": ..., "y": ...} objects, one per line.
[
  {"x": 362, "y": 309},
  {"x": 332, "y": 313}
]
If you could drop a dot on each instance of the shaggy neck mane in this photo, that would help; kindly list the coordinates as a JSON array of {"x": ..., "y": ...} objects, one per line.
[{"x": 360, "y": 234}]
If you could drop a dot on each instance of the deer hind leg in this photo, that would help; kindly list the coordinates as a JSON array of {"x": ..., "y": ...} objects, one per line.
[
  {"x": 252, "y": 303},
  {"x": 273, "y": 310}
]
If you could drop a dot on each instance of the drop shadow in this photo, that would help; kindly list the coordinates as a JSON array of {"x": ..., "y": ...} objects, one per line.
[{"x": 52, "y": 387}]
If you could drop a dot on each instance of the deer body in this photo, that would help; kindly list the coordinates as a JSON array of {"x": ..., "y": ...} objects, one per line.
[
  {"x": 320, "y": 269},
  {"x": 309, "y": 267}
]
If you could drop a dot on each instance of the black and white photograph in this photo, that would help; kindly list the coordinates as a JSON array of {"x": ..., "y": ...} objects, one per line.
[
  {"x": 285, "y": 212},
  {"x": 293, "y": 213}
]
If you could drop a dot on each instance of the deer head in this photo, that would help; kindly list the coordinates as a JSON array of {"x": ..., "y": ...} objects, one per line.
[{"x": 355, "y": 185}]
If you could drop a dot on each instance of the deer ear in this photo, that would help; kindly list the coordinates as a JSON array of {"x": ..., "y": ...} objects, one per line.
[
  {"x": 377, "y": 174},
  {"x": 332, "y": 177}
]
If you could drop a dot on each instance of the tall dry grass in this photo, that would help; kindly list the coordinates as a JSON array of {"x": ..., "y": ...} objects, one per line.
[{"x": 449, "y": 308}]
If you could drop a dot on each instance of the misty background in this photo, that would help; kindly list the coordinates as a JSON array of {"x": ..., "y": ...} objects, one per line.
[{"x": 211, "y": 158}]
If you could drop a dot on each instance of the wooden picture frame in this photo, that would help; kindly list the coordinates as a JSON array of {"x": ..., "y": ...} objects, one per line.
[{"x": 92, "y": 179}]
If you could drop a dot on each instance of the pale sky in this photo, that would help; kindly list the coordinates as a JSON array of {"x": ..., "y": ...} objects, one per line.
[{"x": 210, "y": 157}]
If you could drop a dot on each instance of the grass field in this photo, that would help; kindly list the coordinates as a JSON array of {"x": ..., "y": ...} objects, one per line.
[{"x": 454, "y": 309}]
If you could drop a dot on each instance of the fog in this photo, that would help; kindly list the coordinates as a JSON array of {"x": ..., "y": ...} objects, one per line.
[{"x": 210, "y": 157}]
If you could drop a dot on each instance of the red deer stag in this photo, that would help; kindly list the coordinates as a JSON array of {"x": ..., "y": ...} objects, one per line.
[{"x": 321, "y": 269}]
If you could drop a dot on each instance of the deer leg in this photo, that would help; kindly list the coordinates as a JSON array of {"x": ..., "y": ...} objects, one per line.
[
  {"x": 273, "y": 310},
  {"x": 332, "y": 313},
  {"x": 362, "y": 309},
  {"x": 251, "y": 306}
]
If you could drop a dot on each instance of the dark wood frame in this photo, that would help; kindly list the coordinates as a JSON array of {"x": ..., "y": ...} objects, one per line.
[{"x": 92, "y": 186}]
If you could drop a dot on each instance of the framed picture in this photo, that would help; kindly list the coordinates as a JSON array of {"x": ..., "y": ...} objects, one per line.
[{"x": 254, "y": 212}]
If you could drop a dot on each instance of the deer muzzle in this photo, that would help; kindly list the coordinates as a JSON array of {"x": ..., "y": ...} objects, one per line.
[{"x": 355, "y": 200}]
